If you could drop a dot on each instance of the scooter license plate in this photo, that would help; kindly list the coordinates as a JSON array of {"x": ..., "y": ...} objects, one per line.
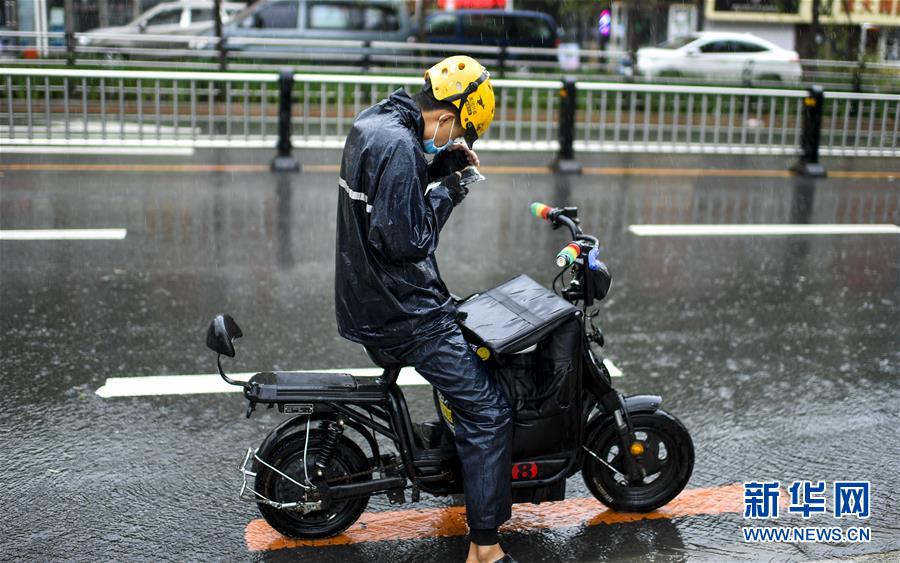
[{"x": 298, "y": 409}]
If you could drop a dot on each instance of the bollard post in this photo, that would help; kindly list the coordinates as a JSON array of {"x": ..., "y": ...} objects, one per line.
[
  {"x": 284, "y": 161},
  {"x": 565, "y": 162},
  {"x": 70, "y": 48},
  {"x": 747, "y": 74},
  {"x": 367, "y": 56},
  {"x": 808, "y": 163},
  {"x": 69, "y": 29},
  {"x": 856, "y": 105},
  {"x": 217, "y": 27}
]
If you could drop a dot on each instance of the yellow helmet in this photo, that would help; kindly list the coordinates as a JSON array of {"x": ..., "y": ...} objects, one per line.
[{"x": 463, "y": 82}]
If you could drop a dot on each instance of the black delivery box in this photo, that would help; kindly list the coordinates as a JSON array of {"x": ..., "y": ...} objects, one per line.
[{"x": 514, "y": 315}]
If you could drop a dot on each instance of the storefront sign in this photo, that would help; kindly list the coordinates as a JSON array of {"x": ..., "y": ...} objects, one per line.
[
  {"x": 831, "y": 12},
  {"x": 775, "y": 11},
  {"x": 759, "y": 6},
  {"x": 856, "y": 12}
]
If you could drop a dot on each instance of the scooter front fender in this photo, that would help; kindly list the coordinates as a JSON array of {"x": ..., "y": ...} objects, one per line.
[
  {"x": 642, "y": 403},
  {"x": 633, "y": 404}
]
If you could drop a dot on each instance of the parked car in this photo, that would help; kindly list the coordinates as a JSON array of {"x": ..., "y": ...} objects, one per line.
[
  {"x": 516, "y": 28},
  {"x": 721, "y": 56},
  {"x": 360, "y": 20},
  {"x": 7, "y": 44},
  {"x": 186, "y": 17}
]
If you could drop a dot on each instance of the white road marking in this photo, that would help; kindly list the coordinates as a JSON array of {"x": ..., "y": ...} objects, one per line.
[
  {"x": 157, "y": 385},
  {"x": 198, "y": 384},
  {"x": 139, "y": 151},
  {"x": 168, "y": 385},
  {"x": 770, "y": 229},
  {"x": 63, "y": 234}
]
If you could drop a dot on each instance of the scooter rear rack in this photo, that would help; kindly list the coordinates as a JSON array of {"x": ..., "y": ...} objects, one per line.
[{"x": 250, "y": 494}]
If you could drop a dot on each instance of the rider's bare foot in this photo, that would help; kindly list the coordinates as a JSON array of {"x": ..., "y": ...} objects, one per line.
[{"x": 484, "y": 553}]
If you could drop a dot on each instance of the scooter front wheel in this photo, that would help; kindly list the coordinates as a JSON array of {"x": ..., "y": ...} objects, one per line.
[
  {"x": 667, "y": 461},
  {"x": 348, "y": 464}
]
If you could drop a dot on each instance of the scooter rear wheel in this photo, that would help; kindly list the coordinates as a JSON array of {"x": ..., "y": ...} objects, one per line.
[
  {"x": 335, "y": 517},
  {"x": 668, "y": 460}
]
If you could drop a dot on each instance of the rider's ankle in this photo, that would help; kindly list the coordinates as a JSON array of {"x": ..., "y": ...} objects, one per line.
[{"x": 489, "y": 553}]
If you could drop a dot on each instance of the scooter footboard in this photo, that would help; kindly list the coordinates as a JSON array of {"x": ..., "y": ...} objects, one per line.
[
  {"x": 540, "y": 480},
  {"x": 536, "y": 495}
]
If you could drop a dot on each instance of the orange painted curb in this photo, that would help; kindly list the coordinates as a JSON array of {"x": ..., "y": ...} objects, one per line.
[
  {"x": 134, "y": 167},
  {"x": 451, "y": 521},
  {"x": 685, "y": 172}
]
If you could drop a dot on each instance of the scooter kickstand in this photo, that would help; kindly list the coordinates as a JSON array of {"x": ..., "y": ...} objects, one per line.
[{"x": 397, "y": 496}]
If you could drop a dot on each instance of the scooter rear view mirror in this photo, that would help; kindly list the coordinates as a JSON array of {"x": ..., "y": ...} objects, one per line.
[{"x": 221, "y": 334}]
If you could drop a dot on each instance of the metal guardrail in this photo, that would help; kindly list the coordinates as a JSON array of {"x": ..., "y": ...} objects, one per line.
[
  {"x": 200, "y": 52},
  {"x": 143, "y": 108},
  {"x": 208, "y": 109},
  {"x": 682, "y": 119},
  {"x": 196, "y": 52},
  {"x": 861, "y": 124}
]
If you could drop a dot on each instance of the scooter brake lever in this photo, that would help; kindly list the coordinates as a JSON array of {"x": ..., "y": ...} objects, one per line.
[{"x": 571, "y": 213}]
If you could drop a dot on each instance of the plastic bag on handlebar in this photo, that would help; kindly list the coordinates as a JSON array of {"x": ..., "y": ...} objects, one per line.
[{"x": 514, "y": 315}]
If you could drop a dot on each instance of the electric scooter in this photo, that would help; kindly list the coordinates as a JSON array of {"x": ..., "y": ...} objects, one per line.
[{"x": 350, "y": 437}]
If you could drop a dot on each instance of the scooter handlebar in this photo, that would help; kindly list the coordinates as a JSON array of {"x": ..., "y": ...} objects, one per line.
[
  {"x": 542, "y": 210},
  {"x": 558, "y": 216},
  {"x": 568, "y": 254}
]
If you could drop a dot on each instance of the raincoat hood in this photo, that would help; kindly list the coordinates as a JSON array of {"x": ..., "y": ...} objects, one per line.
[{"x": 408, "y": 113}]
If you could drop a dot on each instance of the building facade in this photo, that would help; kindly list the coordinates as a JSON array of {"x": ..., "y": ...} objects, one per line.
[{"x": 831, "y": 29}]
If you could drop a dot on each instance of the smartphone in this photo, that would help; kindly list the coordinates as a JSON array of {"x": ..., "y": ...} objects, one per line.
[{"x": 470, "y": 175}]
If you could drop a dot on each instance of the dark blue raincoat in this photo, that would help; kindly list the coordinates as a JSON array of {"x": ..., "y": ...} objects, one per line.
[
  {"x": 389, "y": 295},
  {"x": 387, "y": 284}
]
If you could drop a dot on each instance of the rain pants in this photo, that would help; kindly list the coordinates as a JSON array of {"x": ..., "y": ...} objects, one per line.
[{"x": 389, "y": 295}]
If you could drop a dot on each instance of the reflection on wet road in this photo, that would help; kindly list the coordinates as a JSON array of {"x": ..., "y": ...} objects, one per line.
[{"x": 779, "y": 352}]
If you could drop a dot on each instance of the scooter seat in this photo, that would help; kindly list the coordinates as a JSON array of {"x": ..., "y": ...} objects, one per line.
[
  {"x": 287, "y": 386},
  {"x": 290, "y": 382}
]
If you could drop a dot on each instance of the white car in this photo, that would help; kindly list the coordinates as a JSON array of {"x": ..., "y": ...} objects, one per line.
[{"x": 726, "y": 57}]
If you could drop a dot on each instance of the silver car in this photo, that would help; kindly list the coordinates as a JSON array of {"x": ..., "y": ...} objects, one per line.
[
  {"x": 721, "y": 56},
  {"x": 186, "y": 17},
  {"x": 360, "y": 20}
]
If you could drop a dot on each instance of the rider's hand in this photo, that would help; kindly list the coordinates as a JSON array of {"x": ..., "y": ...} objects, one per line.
[
  {"x": 456, "y": 157},
  {"x": 470, "y": 154},
  {"x": 456, "y": 191}
]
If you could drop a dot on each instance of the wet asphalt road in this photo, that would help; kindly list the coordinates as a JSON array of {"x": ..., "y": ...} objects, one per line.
[{"x": 780, "y": 354}]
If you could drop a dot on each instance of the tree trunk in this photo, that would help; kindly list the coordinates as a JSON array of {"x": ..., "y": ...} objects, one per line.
[{"x": 103, "y": 13}]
